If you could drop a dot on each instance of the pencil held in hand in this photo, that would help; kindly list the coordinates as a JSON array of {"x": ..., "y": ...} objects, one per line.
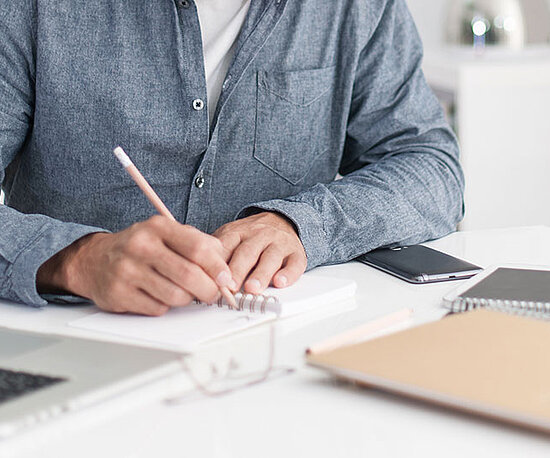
[
  {"x": 158, "y": 204},
  {"x": 142, "y": 183}
]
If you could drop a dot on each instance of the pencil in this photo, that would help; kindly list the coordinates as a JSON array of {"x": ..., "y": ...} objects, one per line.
[
  {"x": 361, "y": 332},
  {"x": 158, "y": 204},
  {"x": 142, "y": 183}
]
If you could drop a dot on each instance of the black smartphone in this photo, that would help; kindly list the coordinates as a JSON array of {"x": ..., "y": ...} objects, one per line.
[{"x": 419, "y": 264}]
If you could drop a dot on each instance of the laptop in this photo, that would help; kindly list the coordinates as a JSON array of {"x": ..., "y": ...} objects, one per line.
[{"x": 43, "y": 376}]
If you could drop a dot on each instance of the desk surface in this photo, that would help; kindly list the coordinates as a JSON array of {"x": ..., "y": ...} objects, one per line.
[{"x": 306, "y": 413}]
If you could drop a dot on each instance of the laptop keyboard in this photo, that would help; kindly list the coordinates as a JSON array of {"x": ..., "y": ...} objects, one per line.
[{"x": 14, "y": 383}]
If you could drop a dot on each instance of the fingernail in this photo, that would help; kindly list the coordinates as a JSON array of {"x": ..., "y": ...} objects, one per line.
[
  {"x": 233, "y": 285},
  {"x": 254, "y": 285},
  {"x": 224, "y": 279},
  {"x": 283, "y": 281}
]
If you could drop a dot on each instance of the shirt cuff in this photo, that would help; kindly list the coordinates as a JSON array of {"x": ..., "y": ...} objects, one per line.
[
  {"x": 51, "y": 239},
  {"x": 307, "y": 221}
]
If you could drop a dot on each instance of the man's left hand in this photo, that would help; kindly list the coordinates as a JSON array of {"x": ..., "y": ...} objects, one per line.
[{"x": 264, "y": 249}]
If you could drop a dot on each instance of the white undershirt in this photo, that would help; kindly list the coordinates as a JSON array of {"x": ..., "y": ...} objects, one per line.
[{"x": 221, "y": 21}]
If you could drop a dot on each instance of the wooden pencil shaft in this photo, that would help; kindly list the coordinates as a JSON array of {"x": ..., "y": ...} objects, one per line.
[
  {"x": 356, "y": 334},
  {"x": 149, "y": 192}
]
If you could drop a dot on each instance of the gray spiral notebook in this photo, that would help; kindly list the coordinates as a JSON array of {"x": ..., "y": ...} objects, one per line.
[{"x": 513, "y": 289}]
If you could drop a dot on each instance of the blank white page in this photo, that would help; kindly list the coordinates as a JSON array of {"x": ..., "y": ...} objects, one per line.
[{"x": 184, "y": 328}]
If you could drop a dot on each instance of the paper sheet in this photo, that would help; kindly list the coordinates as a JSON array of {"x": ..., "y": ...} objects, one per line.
[{"x": 183, "y": 328}]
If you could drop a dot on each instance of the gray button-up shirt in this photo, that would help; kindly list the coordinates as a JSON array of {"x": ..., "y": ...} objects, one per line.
[{"x": 316, "y": 88}]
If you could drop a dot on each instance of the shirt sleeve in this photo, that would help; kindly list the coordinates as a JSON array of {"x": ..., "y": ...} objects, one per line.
[
  {"x": 402, "y": 182},
  {"x": 26, "y": 241}
]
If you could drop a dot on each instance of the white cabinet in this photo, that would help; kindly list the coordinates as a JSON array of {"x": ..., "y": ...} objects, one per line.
[{"x": 499, "y": 104}]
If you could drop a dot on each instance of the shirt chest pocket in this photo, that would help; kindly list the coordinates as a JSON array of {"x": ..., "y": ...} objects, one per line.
[{"x": 293, "y": 120}]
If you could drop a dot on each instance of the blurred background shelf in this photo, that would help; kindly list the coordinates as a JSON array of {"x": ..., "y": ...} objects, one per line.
[
  {"x": 498, "y": 102},
  {"x": 499, "y": 105}
]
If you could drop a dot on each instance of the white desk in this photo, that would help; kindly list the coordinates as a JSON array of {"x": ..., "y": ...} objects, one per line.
[{"x": 303, "y": 414}]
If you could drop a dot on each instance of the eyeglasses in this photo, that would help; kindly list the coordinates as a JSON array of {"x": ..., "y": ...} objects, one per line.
[{"x": 228, "y": 380}]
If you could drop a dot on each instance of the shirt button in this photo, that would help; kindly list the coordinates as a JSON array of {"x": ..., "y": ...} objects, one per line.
[
  {"x": 184, "y": 4},
  {"x": 198, "y": 104},
  {"x": 199, "y": 181},
  {"x": 226, "y": 82}
]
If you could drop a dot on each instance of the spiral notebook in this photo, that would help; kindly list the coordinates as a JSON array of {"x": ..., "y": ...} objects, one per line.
[
  {"x": 186, "y": 327},
  {"x": 518, "y": 290}
]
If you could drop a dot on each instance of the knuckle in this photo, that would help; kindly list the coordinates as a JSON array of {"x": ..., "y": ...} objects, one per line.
[
  {"x": 135, "y": 227},
  {"x": 250, "y": 247},
  {"x": 140, "y": 241},
  {"x": 124, "y": 268},
  {"x": 200, "y": 249},
  {"x": 188, "y": 230},
  {"x": 157, "y": 222},
  {"x": 275, "y": 252},
  {"x": 195, "y": 250}
]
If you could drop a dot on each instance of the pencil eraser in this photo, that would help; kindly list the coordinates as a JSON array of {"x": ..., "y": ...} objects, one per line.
[{"x": 122, "y": 157}]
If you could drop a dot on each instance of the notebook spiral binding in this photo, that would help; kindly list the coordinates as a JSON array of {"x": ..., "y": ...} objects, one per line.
[
  {"x": 527, "y": 308},
  {"x": 254, "y": 303}
]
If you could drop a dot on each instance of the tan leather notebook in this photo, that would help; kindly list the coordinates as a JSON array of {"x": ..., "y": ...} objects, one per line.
[{"x": 486, "y": 362}]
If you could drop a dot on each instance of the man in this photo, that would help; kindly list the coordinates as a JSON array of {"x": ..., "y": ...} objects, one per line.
[{"x": 307, "y": 89}]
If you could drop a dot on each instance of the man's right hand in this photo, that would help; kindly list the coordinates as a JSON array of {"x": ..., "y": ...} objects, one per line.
[{"x": 145, "y": 269}]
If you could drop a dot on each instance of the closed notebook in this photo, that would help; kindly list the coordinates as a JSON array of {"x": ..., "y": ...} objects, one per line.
[
  {"x": 512, "y": 289},
  {"x": 485, "y": 362},
  {"x": 184, "y": 328}
]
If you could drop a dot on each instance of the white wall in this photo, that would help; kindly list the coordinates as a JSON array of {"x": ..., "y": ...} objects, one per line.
[{"x": 430, "y": 18}]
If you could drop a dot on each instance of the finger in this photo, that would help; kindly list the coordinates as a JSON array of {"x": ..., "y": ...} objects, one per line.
[
  {"x": 188, "y": 277},
  {"x": 244, "y": 258},
  {"x": 260, "y": 278},
  {"x": 162, "y": 289},
  {"x": 135, "y": 301},
  {"x": 294, "y": 267},
  {"x": 201, "y": 249},
  {"x": 148, "y": 305},
  {"x": 230, "y": 241}
]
